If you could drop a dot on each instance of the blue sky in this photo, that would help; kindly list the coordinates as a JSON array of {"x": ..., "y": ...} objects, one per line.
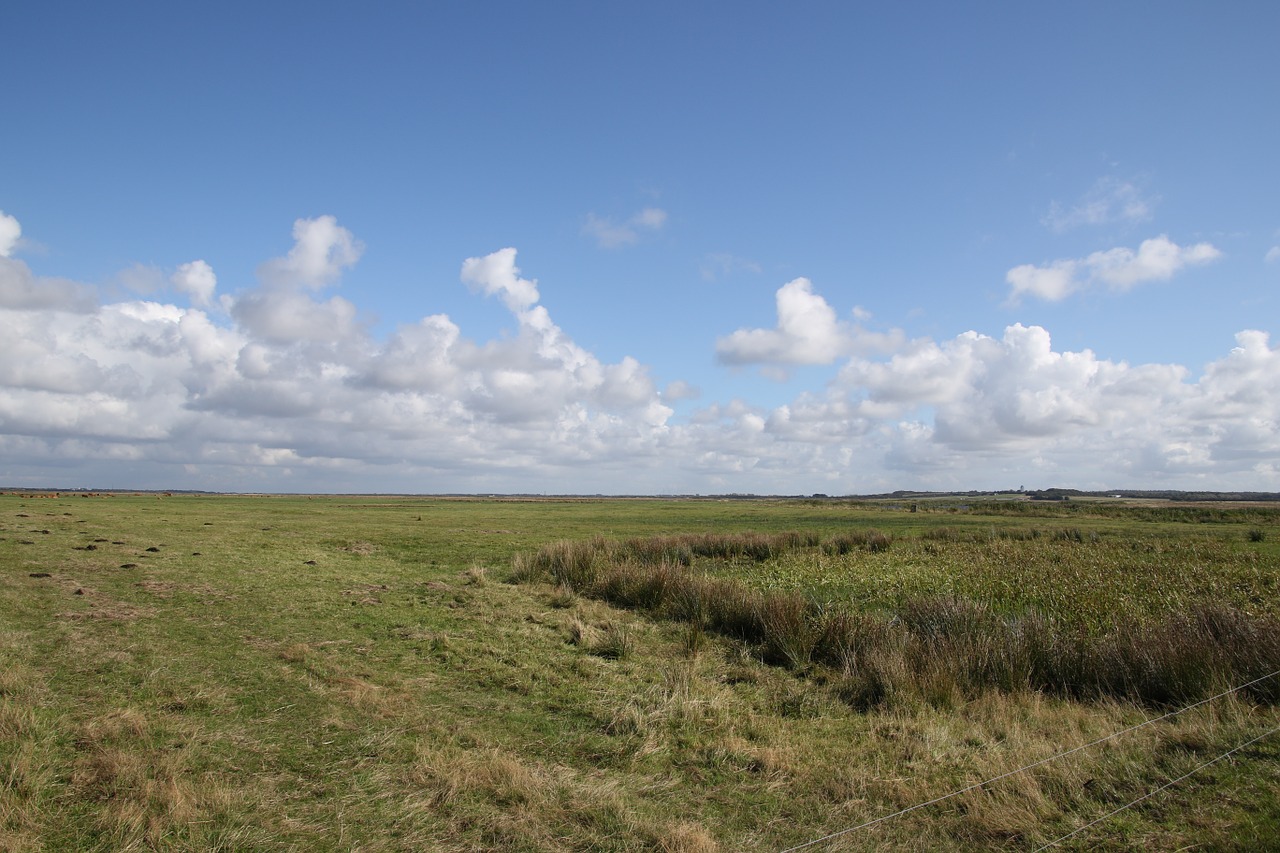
[{"x": 588, "y": 247}]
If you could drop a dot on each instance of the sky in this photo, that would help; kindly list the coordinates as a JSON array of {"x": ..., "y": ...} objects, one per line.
[{"x": 658, "y": 248}]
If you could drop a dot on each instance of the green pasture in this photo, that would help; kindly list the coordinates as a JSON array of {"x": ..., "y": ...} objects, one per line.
[{"x": 200, "y": 672}]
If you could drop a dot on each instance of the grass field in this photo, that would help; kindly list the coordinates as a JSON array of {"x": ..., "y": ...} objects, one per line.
[{"x": 198, "y": 672}]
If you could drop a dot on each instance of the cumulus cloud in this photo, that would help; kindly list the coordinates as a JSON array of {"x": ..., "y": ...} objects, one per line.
[
  {"x": 975, "y": 406},
  {"x": 1157, "y": 259},
  {"x": 496, "y": 274},
  {"x": 283, "y": 310},
  {"x": 22, "y": 290},
  {"x": 610, "y": 234},
  {"x": 10, "y": 232},
  {"x": 1108, "y": 201},
  {"x": 295, "y": 386},
  {"x": 1053, "y": 282},
  {"x": 288, "y": 317},
  {"x": 142, "y": 279},
  {"x": 322, "y": 250},
  {"x": 289, "y": 392},
  {"x": 1273, "y": 255},
  {"x": 197, "y": 280},
  {"x": 808, "y": 332}
]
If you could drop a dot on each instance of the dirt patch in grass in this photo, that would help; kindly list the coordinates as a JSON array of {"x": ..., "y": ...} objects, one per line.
[
  {"x": 367, "y": 593},
  {"x": 361, "y": 548}
]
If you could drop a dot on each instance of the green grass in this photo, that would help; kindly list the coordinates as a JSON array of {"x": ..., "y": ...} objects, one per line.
[{"x": 339, "y": 673}]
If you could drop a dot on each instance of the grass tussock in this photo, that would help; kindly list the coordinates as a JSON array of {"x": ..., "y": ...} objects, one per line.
[
  {"x": 611, "y": 640},
  {"x": 869, "y": 539}
]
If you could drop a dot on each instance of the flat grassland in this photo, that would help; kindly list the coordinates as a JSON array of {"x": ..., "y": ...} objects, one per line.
[{"x": 198, "y": 672}]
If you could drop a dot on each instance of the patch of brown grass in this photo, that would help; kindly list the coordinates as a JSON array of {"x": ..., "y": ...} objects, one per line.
[
  {"x": 142, "y": 789},
  {"x": 493, "y": 799},
  {"x": 362, "y": 548}
]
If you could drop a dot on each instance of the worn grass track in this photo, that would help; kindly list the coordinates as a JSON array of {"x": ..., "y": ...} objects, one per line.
[{"x": 355, "y": 673}]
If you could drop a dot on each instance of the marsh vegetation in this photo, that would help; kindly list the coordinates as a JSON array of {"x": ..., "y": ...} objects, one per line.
[{"x": 276, "y": 673}]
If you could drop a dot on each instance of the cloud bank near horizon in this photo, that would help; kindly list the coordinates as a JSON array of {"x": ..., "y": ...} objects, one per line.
[{"x": 282, "y": 387}]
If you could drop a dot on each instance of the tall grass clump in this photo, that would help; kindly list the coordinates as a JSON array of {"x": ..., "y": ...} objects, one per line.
[
  {"x": 1181, "y": 657},
  {"x": 755, "y": 546},
  {"x": 871, "y": 540},
  {"x": 789, "y": 629},
  {"x": 964, "y": 646},
  {"x": 570, "y": 563},
  {"x": 656, "y": 550},
  {"x": 637, "y": 585},
  {"x": 717, "y": 604}
]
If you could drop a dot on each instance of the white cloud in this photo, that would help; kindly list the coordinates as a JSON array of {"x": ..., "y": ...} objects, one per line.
[
  {"x": 1070, "y": 414},
  {"x": 497, "y": 274},
  {"x": 281, "y": 311},
  {"x": 196, "y": 280},
  {"x": 419, "y": 357},
  {"x": 610, "y": 234},
  {"x": 289, "y": 392},
  {"x": 1157, "y": 259},
  {"x": 22, "y": 290},
  {"x": 1110, "y": 200},
  {"x": 651, "y": 218},
  {"x": 10, "y": 232},
  {"x": 288, "y": 317},
  {"x": 808, "y": 332},
  {"x": 322, "y": 250},
  {"x": 1054, "y": 282},
  {"x": 142, "y": 279},
  {"x": 680, "y": 390},
  {"x": 1273, "y": 255}
]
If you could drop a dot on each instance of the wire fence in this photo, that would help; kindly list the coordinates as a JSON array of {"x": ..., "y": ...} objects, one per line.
[
  {"x": 1155, "y": 791},
  {"x": 977, "y": 785}
]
